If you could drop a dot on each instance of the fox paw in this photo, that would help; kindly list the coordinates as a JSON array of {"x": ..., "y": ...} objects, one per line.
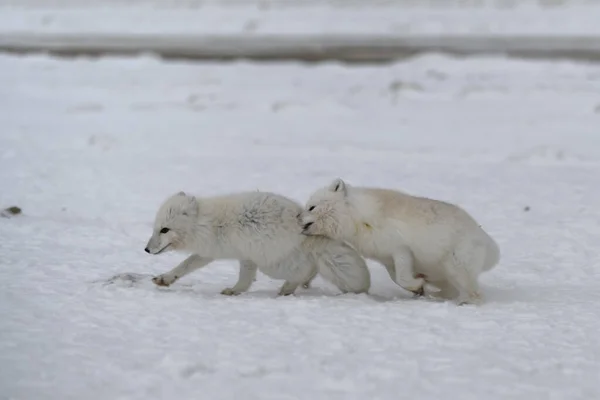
[
  {"x": 287, "y": 289},
  {"x": 474, "y": 299},
  {"x": 164, "y": 280},
  {"x": 415, "y": 285}
]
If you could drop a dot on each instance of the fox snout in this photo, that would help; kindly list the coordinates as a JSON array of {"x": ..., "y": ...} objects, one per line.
[
  {"x": 157, "y": 245},
  {"x": 306, "y": 221}
]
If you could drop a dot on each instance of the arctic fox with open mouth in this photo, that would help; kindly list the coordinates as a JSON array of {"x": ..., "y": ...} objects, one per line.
[
  {"x": 259, "y": 229},
  {"x": 413, "y": 237}
]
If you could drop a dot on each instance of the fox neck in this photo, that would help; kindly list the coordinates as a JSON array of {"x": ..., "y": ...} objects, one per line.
[
  {"x": 200, "y": 237},
  {"x": 347, "y": 227},
  {"x": 358, "y": 223}
]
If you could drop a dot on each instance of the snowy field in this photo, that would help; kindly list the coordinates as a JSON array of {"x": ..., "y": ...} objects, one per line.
[
  {"x": 300, "y": 17},
  {"x": 89, "y": 149}
]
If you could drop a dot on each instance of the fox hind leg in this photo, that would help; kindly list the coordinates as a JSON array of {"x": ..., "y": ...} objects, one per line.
[{"x": 246, "y": 276}]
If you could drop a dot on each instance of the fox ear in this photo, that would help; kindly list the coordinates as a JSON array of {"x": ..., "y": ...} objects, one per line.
[
  {"x": 338, "y": 185},
  {"x": 191, "y": 206}
]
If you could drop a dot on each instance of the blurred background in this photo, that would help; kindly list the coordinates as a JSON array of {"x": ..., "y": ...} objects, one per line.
[{"x": 306, "y": 29}]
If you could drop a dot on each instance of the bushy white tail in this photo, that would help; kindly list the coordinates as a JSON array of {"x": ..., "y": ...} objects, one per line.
[
  {"x": 339, "y": 263},
  {"x": 492, "y": 255}
]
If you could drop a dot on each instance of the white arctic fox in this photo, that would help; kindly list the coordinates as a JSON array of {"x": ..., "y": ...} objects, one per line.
[
  {"x": 413, "y": 237},
  {"x": 259, "y": 229}
]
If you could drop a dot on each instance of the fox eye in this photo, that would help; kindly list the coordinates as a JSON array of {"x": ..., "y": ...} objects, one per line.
[
  {"x": 311, "y": 208},
  {"x": 164, "y": 230}
]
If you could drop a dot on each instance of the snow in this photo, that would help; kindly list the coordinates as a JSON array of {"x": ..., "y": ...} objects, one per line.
[
  {"x": 501, "y": 18},
  {"x": 89, "y": 149}
]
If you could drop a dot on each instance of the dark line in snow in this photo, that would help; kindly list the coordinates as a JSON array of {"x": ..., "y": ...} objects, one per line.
[{"x": 306, "y": 48}]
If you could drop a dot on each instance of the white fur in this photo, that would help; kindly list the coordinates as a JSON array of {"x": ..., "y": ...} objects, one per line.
[
  {"x": 259, "y": 229},
  {"x": 409, "y": 235}
]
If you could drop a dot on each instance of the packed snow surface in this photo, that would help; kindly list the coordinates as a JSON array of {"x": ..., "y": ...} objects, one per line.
[
  {"x": 249, "y": 17},
  {"x": 90, "y": 148}
]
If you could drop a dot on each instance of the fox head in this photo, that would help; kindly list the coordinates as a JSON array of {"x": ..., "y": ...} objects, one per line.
[
  {"x": 173, "y": 223},
  {"x": 325, "y": 209}
]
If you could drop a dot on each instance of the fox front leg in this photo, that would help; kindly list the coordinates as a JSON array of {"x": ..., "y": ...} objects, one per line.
[{"x": 186, "y": 267}]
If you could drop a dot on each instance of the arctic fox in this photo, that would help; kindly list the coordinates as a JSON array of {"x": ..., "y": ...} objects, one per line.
[
  {"x": 262, "y": 231},
  {"x": 413, "y": 237}
]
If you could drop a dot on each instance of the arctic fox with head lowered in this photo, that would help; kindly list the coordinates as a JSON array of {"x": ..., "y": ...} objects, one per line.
[
  {"x": 413, "y": 237},
  {"x": 259, "y": 229}
]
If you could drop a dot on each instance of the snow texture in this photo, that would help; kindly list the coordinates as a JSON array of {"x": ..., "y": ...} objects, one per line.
[
  {"x": 89, "y": 149},
  {"x": 501, "y": 17}
]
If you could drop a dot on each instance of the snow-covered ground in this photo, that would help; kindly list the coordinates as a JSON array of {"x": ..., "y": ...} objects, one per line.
[
  {"x": 89, "y": 149},
  {"x": 250, "y": 17}
]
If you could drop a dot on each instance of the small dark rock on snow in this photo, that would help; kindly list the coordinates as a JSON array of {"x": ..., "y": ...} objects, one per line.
[{"x": 10, "y": 212}]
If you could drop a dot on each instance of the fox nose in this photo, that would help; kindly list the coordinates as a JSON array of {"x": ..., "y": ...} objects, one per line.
[
  {"x": 146, "y": 250},
  {"x": 307, "y": 225}
]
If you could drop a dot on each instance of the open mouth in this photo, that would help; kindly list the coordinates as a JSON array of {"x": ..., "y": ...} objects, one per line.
[
  {"x": 163, "y": 249},
  {"x": 306, "y": 227}
]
